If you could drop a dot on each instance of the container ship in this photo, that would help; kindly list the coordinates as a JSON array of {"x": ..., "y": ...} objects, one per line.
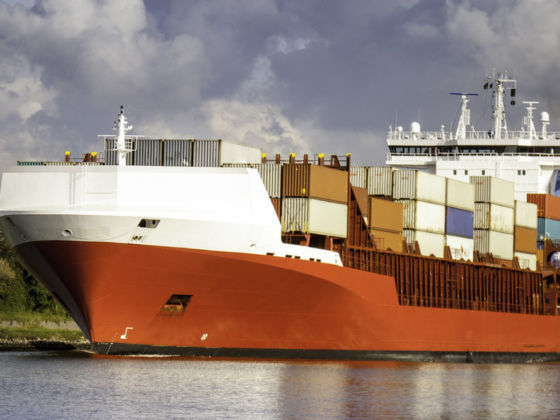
[{"x": 210, "y": 248}]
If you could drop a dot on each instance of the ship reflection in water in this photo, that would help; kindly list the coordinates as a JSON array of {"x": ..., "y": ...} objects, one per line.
[{"x": 84, "y": 386}]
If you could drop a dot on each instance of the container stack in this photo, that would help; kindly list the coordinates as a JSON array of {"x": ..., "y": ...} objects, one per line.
[
  {"x": 380, "y": 182},
  {"x": 314, "y": 200},
  {"x": 423, "y": 198},
  {"x": 548, "y": 213},
  {"x": 494, "y": 216},
  {"x": 200, "y": 153},
  {"x": 386, "y": 224},
  {"x": 358, "y": 176},
  {"x": 525, "y": 234},
  {"x": 459, "y": 219}
]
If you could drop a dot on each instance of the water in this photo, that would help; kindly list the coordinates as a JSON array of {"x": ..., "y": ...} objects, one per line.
[{"x": 80, "y": 385}]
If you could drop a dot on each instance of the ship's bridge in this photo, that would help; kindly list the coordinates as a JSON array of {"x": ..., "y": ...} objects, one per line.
[{"x": 529, "y": 158}]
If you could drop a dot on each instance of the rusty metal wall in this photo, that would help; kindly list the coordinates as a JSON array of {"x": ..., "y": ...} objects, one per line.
[
  {"x": 380, "y": 180},
  {"x": 437, "y": 283},
  {"x": 148, "y": 152},
  {"x": 177, "y": 152},
  {"x": 277, "y": 204},
  {"x": 206, "y": 153},
  {"x": 271, "y": 175},
  {"x": 358, "y": 176}
]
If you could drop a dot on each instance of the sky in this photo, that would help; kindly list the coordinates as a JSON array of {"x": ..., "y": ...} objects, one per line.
[{"x": 288, "y": 76}]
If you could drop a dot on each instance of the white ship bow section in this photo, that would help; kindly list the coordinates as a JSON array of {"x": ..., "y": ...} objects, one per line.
[{"x": 215, "y": 209}]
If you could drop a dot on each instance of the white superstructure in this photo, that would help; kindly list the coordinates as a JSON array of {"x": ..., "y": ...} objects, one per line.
[{"x": 529, "y": 158}]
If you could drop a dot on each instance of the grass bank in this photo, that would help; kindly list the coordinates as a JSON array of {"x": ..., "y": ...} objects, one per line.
[{"x": 33, "y": 332}]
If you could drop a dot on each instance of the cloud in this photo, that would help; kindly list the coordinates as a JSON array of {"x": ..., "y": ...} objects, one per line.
[{"x": 287, "y": 76}]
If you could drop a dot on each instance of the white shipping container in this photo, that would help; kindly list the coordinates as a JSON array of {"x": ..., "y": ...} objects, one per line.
[
  {"x": 498, "y": 243},
  {"x": 308, "y": 215},
  {"x": 239, "y": 153},
  {"x": 380, "y": 180},
  {"x": 526, "y": 260},
  {"x": 460, "y": 195},
  {"x": 215, "y": 153},
  {"x": 271, "y": 175},
  {"x": 430, "y": 243},
  {"x": 358, "y": 176},
  {"x": 419, "y": 215},
  {"x": 461, "y": 248},
  {"x": 295, "y": 215},
  {"x": 526, "y": 214},
  {"x": 493, "y": 190},
  {"x": 326, "y": 218},
  {"x": 418, "y": 185},
  {"x": 493, "y": 217}
]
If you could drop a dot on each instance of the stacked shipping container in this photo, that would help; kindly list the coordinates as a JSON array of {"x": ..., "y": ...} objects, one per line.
[
  {"x": 386, "y": 224},
  {"x": 548, "y": 212},
  {"x": 494, "y": 216},
  {"x": 525, "y": 234},
  {"x": 200, "y": 153},
  {"x": 314, "y": 200},
  {"x": 459, "y": 219},
  {"x": 423, "y": 198}
]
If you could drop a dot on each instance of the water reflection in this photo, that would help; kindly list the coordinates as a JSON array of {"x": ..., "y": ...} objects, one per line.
[{"x": 79, "y": 385}]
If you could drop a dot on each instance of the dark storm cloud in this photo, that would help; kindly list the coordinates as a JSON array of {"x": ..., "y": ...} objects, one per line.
[{"x": 285, "y": 75}]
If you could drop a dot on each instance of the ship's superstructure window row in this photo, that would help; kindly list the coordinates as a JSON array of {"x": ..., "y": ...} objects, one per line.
[{"x": 469, "y": 150}]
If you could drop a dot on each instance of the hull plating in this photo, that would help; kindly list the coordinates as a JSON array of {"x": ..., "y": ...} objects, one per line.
[{"x": 264, "y": 306}]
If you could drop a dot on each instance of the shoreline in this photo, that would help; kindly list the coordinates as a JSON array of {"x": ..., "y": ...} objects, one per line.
[{"x": 42, "y": 344}]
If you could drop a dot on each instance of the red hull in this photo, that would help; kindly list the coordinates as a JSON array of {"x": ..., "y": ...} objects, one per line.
[{"x": 243, "y": 301}]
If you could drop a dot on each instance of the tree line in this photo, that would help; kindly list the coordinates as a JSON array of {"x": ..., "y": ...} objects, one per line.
[{"x": 20, "y": 292}]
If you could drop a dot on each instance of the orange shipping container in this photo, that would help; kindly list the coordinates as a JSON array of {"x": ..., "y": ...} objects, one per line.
[
  {"x": 548, "y": 206},
  {"x": 314, "y": 181},
  {"x": 525, "y": 240},
  {"x": 387, "y": 240},
  {"x": 385, "y": 215}
]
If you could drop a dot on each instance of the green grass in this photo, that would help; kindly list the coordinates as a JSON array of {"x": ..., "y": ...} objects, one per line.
[
  {"x": 34, "y": 317},
  {"x": 40, "y": 333}
]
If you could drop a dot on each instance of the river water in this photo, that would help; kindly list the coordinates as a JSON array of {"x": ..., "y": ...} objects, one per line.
[{"x": 81, "y": 385}]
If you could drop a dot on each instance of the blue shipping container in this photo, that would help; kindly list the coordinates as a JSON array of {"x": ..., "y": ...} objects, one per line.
[
  {"x": 459, "y": 222},
  {"x": 548, "y": 228}
]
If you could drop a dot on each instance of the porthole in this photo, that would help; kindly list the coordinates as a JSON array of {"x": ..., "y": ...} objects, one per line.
[{"x": 66, "y": 232}]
